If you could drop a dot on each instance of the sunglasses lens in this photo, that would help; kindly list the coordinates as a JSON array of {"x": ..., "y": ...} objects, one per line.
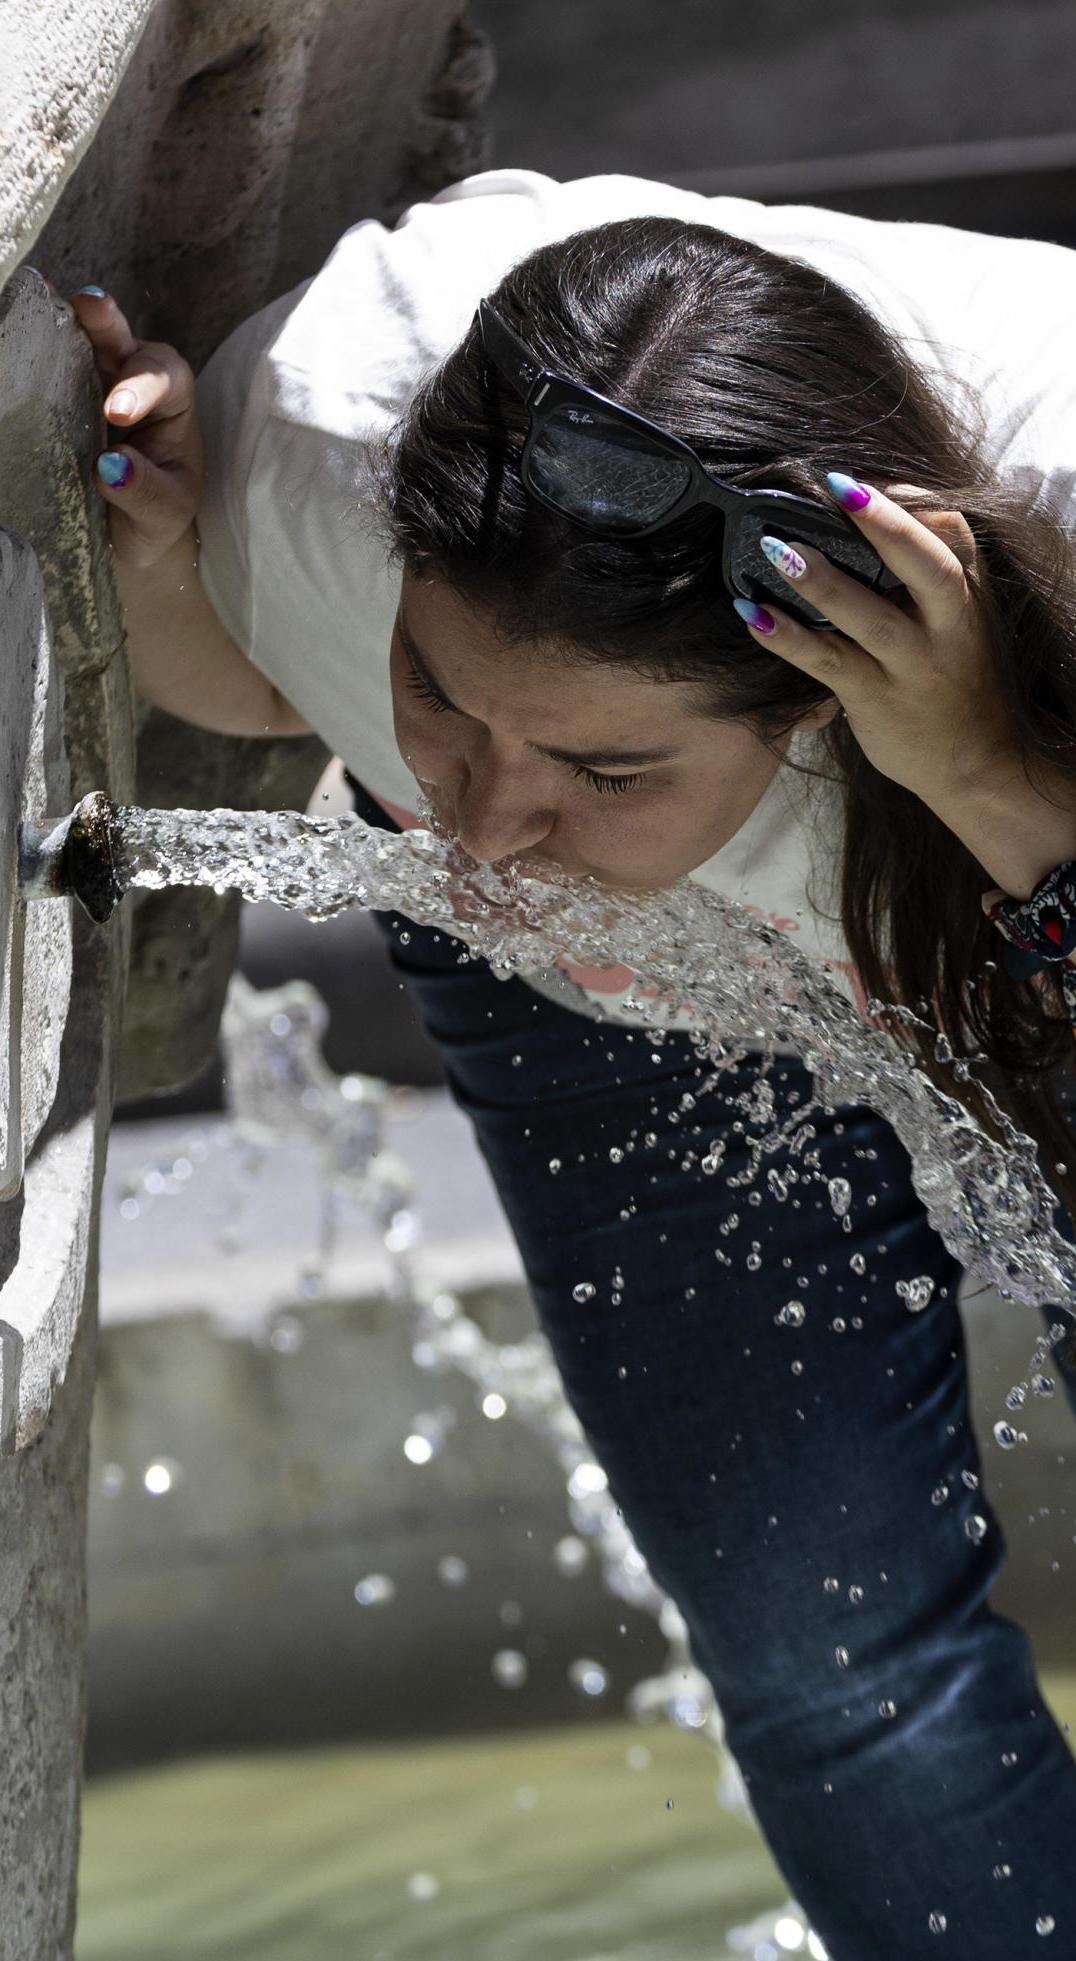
[{"x": 595, "y": 468}]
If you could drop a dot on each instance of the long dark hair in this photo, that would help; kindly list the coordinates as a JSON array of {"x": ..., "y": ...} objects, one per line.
[{"x": 774, "y": 374}]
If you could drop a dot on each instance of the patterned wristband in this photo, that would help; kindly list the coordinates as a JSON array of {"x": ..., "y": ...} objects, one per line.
[{"x": 1039, "y": 930}]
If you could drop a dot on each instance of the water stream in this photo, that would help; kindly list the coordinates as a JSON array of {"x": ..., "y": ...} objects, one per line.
[{"x": 743, "y": 984}]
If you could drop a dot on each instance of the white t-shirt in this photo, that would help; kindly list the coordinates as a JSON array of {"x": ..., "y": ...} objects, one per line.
[{"x": 293, "y": 395}]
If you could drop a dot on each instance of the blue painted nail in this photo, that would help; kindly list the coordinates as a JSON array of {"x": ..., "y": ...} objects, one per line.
[
  {"x": 755, "y": 616},
  {"x": 854, "y": 496},
  {"x": 98, "y": 292},
  {"x": 114, "y": 468}
]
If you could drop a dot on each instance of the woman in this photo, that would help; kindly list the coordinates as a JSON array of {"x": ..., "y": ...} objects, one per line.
[{"x": 376, "y": 564}]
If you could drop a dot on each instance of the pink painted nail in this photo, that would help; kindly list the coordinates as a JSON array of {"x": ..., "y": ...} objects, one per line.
[
  {"x": 854, "y": 496},
  {"x": 755, "y": 616}
]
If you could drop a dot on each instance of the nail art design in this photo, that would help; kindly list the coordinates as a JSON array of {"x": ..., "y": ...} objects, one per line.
[
  {"x": 755, "y": 616},
  {"x": 847, "y": 491},
  {"x": 96, "y": 292},
  {"x": 784, "y": 557},
  {"x": 115, "y": 469}
]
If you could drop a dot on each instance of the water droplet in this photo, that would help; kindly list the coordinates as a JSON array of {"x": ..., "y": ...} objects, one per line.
[
  {"x": 160, "y": 1476},
  {"x": 616, "y": 1155},
  {"x": 916, "y": 1294},
  {"x": 939, "y": 1494},
  {"x": 509, "y": 1668},
  {"x": 887, "y": 1708},
  {"x": 842, "y": 1657},
  {"x": 570, "y": 1555},
  {"x": 971, "y": 1479},
  {"x": 976, "y": 1528},
  {"x": 1005, "y": 1436},
  {"x": 1043, "y": 1385},
  {"x": 1009, "y": 1758},
  {"x": 589, "y": 1677},
  {"x": 858, "y": 1263},
  {"x": 838, "y": 1324},
  {"x": 791, "y": 1315},
  {"x": 423, "y": 1886},
  {"x": 840, "y": 1195},
  {"x": 376, "y": 1590},
  {"x": 1016, "y": 1397},
  {"x": 855, "y": 1595},
  {"x": 1003, "y": 1872},
  {"x": 453, "y": 1571},
  {"x": 831, "y": 1585},
  {"x": 584, "y": 1290},
  {"x": 937, "y": 1923},
  {"x": 1045, "y": 1923},
  {"x": 554, "y": 1165}
]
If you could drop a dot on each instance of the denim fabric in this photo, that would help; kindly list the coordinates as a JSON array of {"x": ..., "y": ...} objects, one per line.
[{"x": 754, "y": 1461}]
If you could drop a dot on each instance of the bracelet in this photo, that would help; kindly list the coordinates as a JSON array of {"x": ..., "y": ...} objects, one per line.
[{"x": 1041, "y": 930}]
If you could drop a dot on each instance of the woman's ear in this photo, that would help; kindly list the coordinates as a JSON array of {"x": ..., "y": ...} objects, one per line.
[{"x": 816, "y": 718}]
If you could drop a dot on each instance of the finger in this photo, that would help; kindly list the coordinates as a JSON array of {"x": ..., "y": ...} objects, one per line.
[
  {"x": 106, "y": 328},
  {"x": 922, "y": 561},
  {"x": 878, "y": 626},
  {"x": 151, "y": 506},
  {"x": 145, "y": 382},
  {"x": 829, "y": 657},
  {"x": 153, "y": 388}
]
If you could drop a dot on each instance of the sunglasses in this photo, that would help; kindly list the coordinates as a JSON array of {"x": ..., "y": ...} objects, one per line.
[{"x": 622, "y": 477}]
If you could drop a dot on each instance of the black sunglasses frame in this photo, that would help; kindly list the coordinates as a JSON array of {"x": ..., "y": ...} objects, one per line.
[{"x": 743, "y": 511}]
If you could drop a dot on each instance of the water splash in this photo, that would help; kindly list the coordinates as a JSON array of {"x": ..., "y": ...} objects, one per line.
[{"x": 740, "y": 984}]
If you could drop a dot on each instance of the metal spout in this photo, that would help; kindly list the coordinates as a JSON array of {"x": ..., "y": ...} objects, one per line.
[{"x": 75, "y": 856}]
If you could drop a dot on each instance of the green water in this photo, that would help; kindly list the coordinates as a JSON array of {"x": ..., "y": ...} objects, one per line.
[{"x": 306, "y": 1856}]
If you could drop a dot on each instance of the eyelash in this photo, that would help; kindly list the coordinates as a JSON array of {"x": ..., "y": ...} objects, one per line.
[
  {"x": 605, "y": 785},
  {"x": 425, "y": 692}
]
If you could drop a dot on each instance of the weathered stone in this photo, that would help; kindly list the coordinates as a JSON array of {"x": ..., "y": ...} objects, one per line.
[
  {"x": 243, "y": 140},
  {"x": 54, "y": 548},
  {"x": 246, "y": 136}
]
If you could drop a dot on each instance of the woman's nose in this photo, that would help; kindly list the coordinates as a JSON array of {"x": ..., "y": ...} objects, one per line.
[{"x": 496, "y": 819}]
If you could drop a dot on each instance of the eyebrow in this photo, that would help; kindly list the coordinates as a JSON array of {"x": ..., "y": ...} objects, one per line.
[{"x": 590, "y": 758}]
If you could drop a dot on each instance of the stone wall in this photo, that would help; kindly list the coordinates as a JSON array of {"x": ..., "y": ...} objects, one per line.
[
  {"x": 197, "y": 159},
  {"x": 243, "y": 140}
]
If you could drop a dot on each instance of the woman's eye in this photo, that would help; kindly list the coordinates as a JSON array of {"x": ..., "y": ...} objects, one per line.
[
  {"x": 608, "y": 785},
  {"x": 425, "y": 693}
]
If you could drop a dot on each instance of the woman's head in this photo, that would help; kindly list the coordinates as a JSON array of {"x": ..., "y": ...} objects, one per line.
[
  {"x": 770, "y": 372},
  {"x": 773, "y": 377},
  {"x": 526, "y": 750},
  {"x": 554, "y": 638}
]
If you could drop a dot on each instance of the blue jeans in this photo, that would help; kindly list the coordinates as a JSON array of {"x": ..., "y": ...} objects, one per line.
[{"x": 756, "y": 1461}]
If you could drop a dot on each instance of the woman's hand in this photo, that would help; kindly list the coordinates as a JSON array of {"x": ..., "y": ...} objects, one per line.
[
  {"x": 149, "y": 402},
  {"x": 913, "y": 672}
]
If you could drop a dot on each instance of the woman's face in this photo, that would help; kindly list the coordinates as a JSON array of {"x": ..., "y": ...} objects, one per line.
[{"x": 544, "y": 760}]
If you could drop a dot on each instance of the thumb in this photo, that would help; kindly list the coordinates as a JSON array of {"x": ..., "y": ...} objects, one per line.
[{"x": 151, "y": 507}]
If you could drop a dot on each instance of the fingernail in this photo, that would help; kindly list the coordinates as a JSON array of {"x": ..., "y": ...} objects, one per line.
[
  {"x": 121, "y": 403},
  {"x": 755, "y": 616},
  {"x": 784, "y": 557},
  {"x": 847, "y": 491},
  {"x": 115, "y": 469},
  {"x": 97, "y": 292}
]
